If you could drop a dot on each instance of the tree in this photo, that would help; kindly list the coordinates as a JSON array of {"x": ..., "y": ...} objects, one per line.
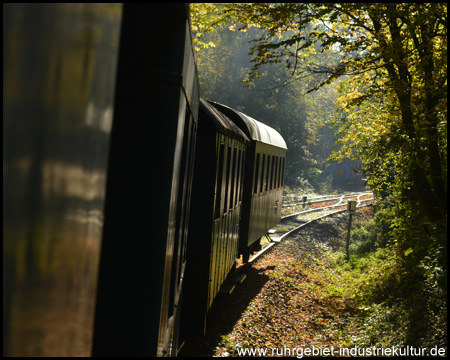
[
  {"x": 389, "y": 65},
  {"x": 223, "y": 63},
  {"x": 222, "y": 70},
  {"x": 397, "y": 49}
]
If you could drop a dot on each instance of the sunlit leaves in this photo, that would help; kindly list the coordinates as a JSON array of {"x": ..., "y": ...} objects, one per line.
[{"x": 395, "y": 58}]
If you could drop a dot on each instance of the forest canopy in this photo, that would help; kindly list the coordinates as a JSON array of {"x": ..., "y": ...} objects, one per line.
[{"x": 392, "y": 60}]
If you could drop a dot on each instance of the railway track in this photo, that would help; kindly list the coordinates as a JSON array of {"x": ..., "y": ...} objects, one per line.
[
  {"x": 292, "y": 207},
  {"x": 293, "y": 222}
]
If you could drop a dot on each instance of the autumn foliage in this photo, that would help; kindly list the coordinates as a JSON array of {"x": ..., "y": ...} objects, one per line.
[{"x": 388, "y": 65}]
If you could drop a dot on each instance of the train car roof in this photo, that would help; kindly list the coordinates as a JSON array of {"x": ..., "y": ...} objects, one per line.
[
  {"x": 221, "y": 122},
  {"x": 253, "y": 128}
]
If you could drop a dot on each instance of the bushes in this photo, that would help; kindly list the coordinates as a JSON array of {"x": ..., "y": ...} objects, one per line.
[{"x": 399, "y": 293}]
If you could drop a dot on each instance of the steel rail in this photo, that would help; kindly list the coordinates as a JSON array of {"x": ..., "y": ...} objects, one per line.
[
  {"x": 290, "y": 232},
  {"x": 329, "y": 198},
  {"x": 339, "y": 204}
]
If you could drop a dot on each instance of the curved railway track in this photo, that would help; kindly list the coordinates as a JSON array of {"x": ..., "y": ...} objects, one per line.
[
  {"x": 318, "y": 208},
  {"x": 292, "y": 207},
  {"x": 289, "y": 224}
]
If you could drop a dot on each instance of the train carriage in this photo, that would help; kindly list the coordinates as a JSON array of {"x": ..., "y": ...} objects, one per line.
[
  {"x": 264, "y": 179},
  {"x": 149, "y": 185},
  {"x": 89, "y": 175},
  {"x": 216, "y": 202}
]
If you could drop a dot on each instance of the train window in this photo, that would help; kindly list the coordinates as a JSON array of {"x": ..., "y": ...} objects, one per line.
[
  {"x": 272, "y": 172},
  {"x": 233, "y": 179},
  {"x": 266, "y": 187},
  {"x": 279, "y": 172},
  {"x": 277, "y": 179},
  {"x": 183, "y": 196},
  {"x": 238, "y": 177},
  {"x": 227, "y": 180},
  {"x": 282, "y": 172},
  {"x": 263, "y": 175},
  {"x": 269, "y": 167},
  {"x": 256, "y": 174},
  {"x": 241, "y": 186},
  {"x": 219, "y": 181},
  {"x": 269, "y": 172}
]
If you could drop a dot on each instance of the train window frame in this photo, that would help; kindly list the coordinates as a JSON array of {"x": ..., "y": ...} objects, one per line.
[
  {"x": 279, "y": 172},
  {"x": 227, "y": 180},
  {"x": 262, "y": 182},
  {"x": 238, "y": 178},
  {"x": 256, "y": 174},
  {"x": 272, "y": 172},
  {"x": 269, "y": 173},
  {"x": 219, "y": 178},
  {"x": 277, "y": 158},
  {"x": 241, "y": 185},
  {"x": 233, "y": 178},
  {"x": 182, "y": 214}
]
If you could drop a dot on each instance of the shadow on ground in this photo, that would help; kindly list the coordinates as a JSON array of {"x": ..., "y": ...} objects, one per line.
[{"x": 225, "y": 312}]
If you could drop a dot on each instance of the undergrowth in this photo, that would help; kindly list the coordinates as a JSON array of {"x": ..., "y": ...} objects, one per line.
[{"x": 396, "y": 305}]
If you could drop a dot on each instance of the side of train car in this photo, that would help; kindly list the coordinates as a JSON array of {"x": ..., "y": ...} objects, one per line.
[
  {"x": 264, "y": 179},
  {"x": 216, "y": 212},
  {"x": 236, "y": 199},
  {"x": 98, "y": 148},
  {"x": 107, "y": 229},
  {"x": 149, "y": 183}
]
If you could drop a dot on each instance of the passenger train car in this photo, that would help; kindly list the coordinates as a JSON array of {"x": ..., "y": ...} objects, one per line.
[
  {"x": 126, "y": 198},
  {"x": 264, "y": 179},
  {"x": 216, "y": 212},
  {"x": 149, "y": 184},
  {"x": 236, "y": 199}
]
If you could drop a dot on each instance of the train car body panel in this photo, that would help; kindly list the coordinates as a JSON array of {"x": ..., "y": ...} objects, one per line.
[
  {"x": 214, "y": 223},
  {"x": 59, "y": 67},
  {"x": 149, "y": 185},
  {"x": 264, "y": 178},
  {"x": 265, "y": 194}
]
